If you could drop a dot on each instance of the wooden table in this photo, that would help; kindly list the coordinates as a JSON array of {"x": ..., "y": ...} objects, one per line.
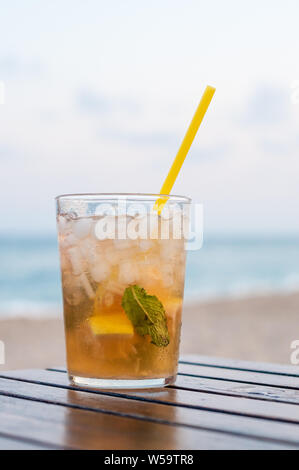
[{"x": 215, "y": 404}]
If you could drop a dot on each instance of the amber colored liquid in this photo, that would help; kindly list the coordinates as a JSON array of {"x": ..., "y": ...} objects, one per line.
[{"x": 100, "y": 340}]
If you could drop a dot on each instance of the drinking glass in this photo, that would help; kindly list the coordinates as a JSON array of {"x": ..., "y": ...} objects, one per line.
[{"x": 122, "y": 271}]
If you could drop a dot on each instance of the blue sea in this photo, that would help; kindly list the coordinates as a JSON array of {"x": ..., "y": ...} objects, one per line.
[{"x": 225, "y": 266}]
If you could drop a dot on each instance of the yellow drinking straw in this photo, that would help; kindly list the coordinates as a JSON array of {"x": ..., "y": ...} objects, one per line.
[{"x": 185, "y": 146}]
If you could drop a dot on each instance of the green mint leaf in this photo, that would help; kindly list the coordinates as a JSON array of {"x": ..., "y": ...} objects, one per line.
[{"x": 147, "y": 314}]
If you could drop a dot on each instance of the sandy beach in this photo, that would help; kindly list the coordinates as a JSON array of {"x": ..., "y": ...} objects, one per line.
[{"x": 258, "y": 328}]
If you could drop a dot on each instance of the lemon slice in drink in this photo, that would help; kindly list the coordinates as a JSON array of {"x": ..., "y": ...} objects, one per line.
[
  {"x": 105, "y": 319},
  {"x": 112, "y": 324}
]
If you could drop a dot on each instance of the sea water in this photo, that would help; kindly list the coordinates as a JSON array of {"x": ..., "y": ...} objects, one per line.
[{"x": 225, "y": 266}]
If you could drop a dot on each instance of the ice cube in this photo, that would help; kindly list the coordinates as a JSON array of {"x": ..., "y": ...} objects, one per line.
[
  {"x": 112, "y": 256},
  {"x": 88, "y": 249},
  {"x": 115, "y": 287},
  {"x": 151, "y": 259},
  {"x": 64, "y": 262},
  {"x": 115, "y": 257},
  {"x": 67, "y": 240},
  {"x": 100, "y": 269},
  {"x": 122, "y": 244},
  {"x": 108, "y": 299},
  {"x": 71, "y": 206},
  {"x": 86, "y": 286},
  {"x": 145, "y": 245},
  {"x": 71, "y": 215},
  {"x": 150, "y": 273},
  {"x": 76, "y": 260},
  {"x": 62, "y": 224},
  {"x": 74, "y": 298},
  {"x": 171, "y": 249},
  {"x": 167, "y": 275},
  {"x": 128, "y": 272},
  {"x": 72, "y": 292},
  {"x": 81, "y": 227}
]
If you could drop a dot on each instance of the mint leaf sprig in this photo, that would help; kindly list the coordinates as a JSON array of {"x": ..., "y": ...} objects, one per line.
[{"x": 147, "y": 314}]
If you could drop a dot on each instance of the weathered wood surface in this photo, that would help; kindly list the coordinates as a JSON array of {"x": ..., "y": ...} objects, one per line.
[{"x": 210, "y": 407}]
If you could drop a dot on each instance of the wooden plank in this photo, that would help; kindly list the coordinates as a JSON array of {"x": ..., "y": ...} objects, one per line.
[
  {"x": 253, "y": 378},
  {"x": 219, "y": 362},
  {"x": 223, "y": 387},
  {"x": 287, "y": 434},
  {"x": 68, "y": 427},
  {"x": 222, "y": 403},
  {"x": 232, "y": 388},
  {"x": 240, "y": 383}
]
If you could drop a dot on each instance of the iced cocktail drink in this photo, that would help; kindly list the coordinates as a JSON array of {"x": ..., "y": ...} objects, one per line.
[{"x": 123, "y": 281}]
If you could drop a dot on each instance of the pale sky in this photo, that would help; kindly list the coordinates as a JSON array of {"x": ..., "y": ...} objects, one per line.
[{"x": 98, "y": 95}]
